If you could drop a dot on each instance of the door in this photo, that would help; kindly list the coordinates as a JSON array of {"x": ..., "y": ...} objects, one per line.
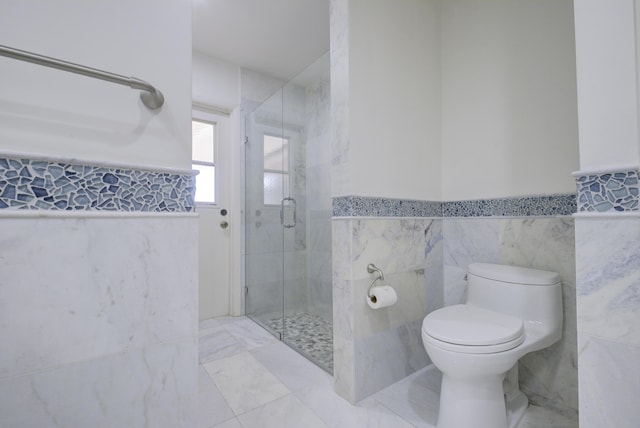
[{"x": 211, "y": 157}]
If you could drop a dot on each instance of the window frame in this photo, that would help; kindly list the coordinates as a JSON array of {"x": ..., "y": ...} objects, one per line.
[
  {"x": 286, "y": 173},
  {"x": 202, "y": 115}
]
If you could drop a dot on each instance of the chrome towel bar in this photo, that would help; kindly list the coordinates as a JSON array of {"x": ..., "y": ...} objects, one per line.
[{"x": 151, "y": 97}]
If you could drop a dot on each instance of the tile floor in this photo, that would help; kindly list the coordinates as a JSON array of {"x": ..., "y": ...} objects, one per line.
[
  {"x": 308, "y": 333},
  {"x": 248, "y": 379}
]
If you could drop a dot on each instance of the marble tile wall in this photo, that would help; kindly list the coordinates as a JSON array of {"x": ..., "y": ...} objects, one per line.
[
  {"x": 549, "y": 377},
  {"x": 318, "y": 195},
  {"x": 375, "y": 348},
  {"x": 98, "y": 318},
  {"x": 608, "y": 303}
]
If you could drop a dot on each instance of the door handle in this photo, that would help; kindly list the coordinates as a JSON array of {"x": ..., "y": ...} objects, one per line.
[
  {"x": 293, "y": 202},
  {"x": 224, "y": 224}
]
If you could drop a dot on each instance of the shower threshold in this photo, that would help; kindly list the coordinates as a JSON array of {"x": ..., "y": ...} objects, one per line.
[{"x": 308, "y": 334}]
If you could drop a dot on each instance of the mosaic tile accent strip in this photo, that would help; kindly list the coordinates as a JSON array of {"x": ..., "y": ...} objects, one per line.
[
  {"x": 552, "y": 205},
  {"x": 610, "y": 192},
  {"x": 43, "y": 185},
  {"x": 361, "y": 206},
  {"x": 310, "y": 334}
]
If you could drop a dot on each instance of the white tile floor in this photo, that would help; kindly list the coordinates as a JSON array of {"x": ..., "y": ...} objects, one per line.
[{"x": 249, "y": 379}]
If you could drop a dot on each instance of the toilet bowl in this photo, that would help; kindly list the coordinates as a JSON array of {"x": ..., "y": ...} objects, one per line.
[{"x": 509, "y": 312}]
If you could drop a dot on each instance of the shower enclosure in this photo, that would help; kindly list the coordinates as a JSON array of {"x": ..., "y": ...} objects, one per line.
[{"x": 288, "y": 275}]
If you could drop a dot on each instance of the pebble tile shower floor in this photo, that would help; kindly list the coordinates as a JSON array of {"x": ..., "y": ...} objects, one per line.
[{"x": 310, "y": 334}]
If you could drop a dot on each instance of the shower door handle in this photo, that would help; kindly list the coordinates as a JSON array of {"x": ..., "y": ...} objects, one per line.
[{"x": 282, "y": 206}]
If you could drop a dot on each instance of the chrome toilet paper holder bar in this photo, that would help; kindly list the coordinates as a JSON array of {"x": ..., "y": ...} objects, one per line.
[{"x": 371, "y": 268}]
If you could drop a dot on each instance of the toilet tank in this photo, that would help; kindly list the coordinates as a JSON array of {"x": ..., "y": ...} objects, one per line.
[{"x": 528, "y": 294}]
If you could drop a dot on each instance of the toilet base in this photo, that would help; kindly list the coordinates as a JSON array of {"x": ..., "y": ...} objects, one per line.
[
  {"x": 516, "y": 408},
  {"x": 516, "y": 401},
  {"x": 477, "y": 403}
]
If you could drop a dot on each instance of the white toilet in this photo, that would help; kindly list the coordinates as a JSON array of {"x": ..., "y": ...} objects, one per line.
[{"x": 510, "y": 311}]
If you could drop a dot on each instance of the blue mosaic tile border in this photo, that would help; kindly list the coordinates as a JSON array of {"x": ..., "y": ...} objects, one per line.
[
  {"x": 527, "y": 206},
  {"x": 361, "y": 206},
  {"x": 45, "y": 185},
  {"x": 609, "y": 192}
]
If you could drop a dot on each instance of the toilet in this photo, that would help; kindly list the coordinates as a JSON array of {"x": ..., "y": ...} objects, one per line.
[{"x": 509, "y": 312}]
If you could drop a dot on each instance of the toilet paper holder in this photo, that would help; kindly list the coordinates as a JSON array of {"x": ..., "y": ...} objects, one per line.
[{"x": 371, "y": 268}]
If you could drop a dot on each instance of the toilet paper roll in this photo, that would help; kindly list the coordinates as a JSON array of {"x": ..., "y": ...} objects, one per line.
[{"x": 381, "y": 297}]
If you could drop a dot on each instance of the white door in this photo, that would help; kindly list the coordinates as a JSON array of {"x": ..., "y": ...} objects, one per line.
[{"x": 211, "y": 156}]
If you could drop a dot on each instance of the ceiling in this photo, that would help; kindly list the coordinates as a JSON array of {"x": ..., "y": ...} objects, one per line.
[{"x": 275, "y": 37}]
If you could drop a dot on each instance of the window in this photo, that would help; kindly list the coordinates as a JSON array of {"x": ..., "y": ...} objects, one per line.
[
  {"x": 203, "y": 139},
  {"x": 276, "y": 169}
]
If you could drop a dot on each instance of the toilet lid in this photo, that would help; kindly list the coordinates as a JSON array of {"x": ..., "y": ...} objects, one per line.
[{"x": 471, "y": 326}]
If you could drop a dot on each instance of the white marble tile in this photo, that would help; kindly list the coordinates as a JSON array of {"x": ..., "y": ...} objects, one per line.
[
  {"x": 609, "y": 383},
  {"x": 388, "y": 356},
  {"x": 249, "y": 334},
  {"x": 286, "y": 411},
  {"x": 231, "y": 423},
  {"x": 608, "y": 278},
  {"x": 338, "y": 413},
  {"x": 434, "y": 266},
  {"x": 218, "y": 343},
  {"x": 213, "y": 323},
  {"x": 339, "y": 24},
  {"x": 537, "y": 417},
  {"x": 153, "y": 387},
  {"x": 344, "y": 368},
  {"x": 470, "y": 240},
  {"x": 290, "y": 368},
  {"x": 549, "y": 378},
  {"x": 395, "y": 245},
  {"x": 416, "y": 398},
  {"x": 244, "y": 382},
  {"x": 455, "y": 291},
  {"x": 409, "y": 308},
  {"x": 77, "y": 289},
  {"x": 399, "y": 246},
  {"x": 212, "y": 407}
]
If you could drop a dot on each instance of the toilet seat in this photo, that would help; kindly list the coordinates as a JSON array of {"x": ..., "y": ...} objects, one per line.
[{"x": 472, "y": 330}]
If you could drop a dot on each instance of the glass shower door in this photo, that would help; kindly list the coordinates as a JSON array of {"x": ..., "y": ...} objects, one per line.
[
  {"x": 265, "y": 187},
  {"x": 288, "y": 215}
]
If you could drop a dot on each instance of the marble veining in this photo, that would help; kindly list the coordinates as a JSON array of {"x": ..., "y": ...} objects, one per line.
[
  {"x": 616, "y": 191},
  {"x": 549, "y": 377},
  {"x": 609, "y": 383},
  {"x": 55, "y": 185},
  {"x": 608, "y": 292}
]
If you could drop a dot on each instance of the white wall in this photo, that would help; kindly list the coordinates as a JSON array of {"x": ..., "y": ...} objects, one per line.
[
  {"x": 215, "y": 83},
  {"x": 51, "y": 112},
  {"x": 509, "y": 99},
  {"x": 607, "y": 83},
  {"x": 394, "y": 107}
]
